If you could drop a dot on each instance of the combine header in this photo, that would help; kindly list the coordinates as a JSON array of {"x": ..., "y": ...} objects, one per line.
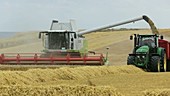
[{"x": 37, "y": 59}]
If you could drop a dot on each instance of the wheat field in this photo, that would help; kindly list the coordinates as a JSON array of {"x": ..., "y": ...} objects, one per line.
[{"x": 117, "y": 79}]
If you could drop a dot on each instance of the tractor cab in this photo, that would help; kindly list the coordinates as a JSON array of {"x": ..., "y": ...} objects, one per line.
[
  {"x": 145, "y": 40},
  {"x": 148, "y": 40}
]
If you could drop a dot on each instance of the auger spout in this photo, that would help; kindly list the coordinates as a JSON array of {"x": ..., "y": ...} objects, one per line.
[
  {"x": 144, "y": 17},
  {"x": 151, "y": 24}
]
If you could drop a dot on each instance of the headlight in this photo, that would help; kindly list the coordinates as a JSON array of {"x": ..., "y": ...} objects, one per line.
[
  {"x": 143, "y": 56},
  {"x": 138, "y": 56}
]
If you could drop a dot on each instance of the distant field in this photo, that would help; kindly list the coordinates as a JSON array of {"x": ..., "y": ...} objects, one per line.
[
  {"x": 4, "y": 35},
  {"x": 118, "y": 79}
]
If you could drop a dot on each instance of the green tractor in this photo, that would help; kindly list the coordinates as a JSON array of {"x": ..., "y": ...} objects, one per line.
[{"x": 147, "y": 54}]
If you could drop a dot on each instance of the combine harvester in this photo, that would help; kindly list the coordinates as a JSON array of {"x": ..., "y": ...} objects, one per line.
[{"x": 63, "y": 44}]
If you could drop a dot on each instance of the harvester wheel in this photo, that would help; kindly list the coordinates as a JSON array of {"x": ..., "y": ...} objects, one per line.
[
  {"x": 155, "y": 64},
  {"x": 163, "y": 61},
  {"x": 131, "y": 60}
]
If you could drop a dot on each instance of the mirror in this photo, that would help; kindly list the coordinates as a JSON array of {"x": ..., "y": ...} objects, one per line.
[
  {"x": 131, "y": 37},
  {"x": 162, "y": 37},
  {"x": 39, "y": 35},
  {"x": 75, "y": 36}
]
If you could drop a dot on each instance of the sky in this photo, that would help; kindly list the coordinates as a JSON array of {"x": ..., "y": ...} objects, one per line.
[{"x": 36, "y": 15}]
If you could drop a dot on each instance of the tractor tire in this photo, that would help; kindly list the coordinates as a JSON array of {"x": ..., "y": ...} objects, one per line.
[
  {"x": 155, "y": 64},
  {"x": 131, "y": 60},
  {"x": 163, "y": 61}
]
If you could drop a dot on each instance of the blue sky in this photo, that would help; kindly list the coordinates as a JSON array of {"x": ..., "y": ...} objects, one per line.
[{"x": 35, "y": 15}]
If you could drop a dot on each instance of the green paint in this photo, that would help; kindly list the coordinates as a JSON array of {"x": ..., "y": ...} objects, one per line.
[
  {"x": 84, "y": 50},
  {"x": 159, "y": 50},
  {"x": 143, "y": 49}
]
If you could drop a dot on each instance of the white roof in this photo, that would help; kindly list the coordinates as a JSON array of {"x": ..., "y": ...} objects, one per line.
[{"x": 58, "y": 31}]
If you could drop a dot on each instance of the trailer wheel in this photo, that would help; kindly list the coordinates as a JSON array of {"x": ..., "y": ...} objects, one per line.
[
  {"x": 131, "y": 60},
  {"x": 168, "y": 65},
  {"x": 163, "y": 61},
  {"x": 155, "y": 64}
]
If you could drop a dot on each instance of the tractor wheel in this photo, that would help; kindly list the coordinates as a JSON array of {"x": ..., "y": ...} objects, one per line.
[
  {"x": 163, "y": 61},
  {"x": 131, "y": 60},
  {"x": 155, "y": 64}
]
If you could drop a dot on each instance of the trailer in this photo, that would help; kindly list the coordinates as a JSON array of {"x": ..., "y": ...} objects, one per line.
[{"x": 166, "y": 45}]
